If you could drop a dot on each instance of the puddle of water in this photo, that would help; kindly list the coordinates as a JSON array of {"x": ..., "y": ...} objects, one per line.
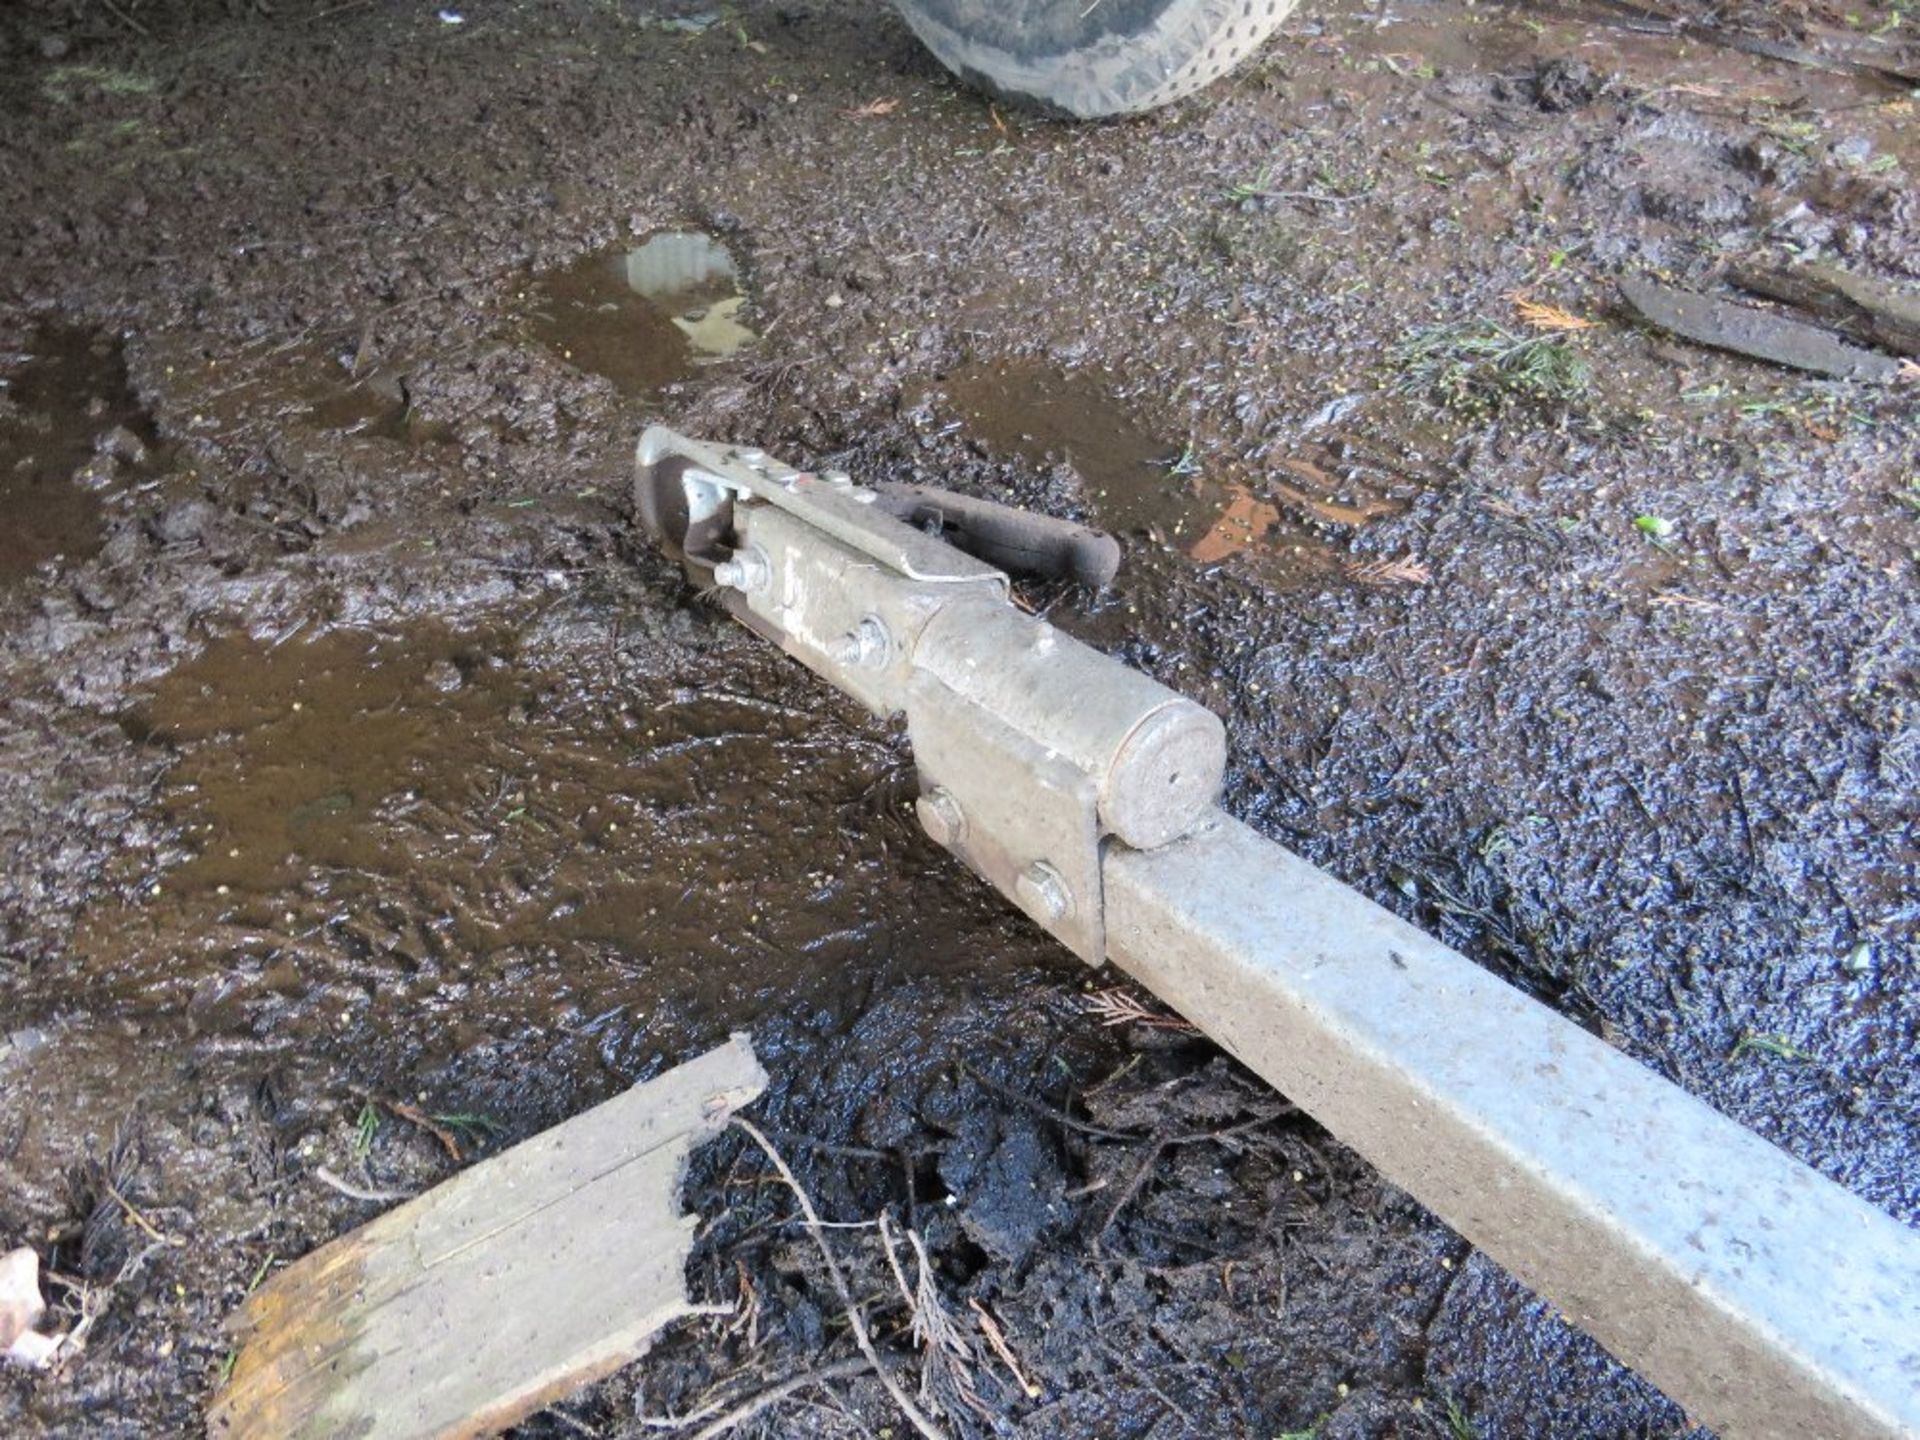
[
  {"x": 1028, "y": 409},
  {"x": 376, "y": 407},
  {"x": 644, "y": 317},
  {"x": 1136, "y": 483},
  {"x": 429, "y": 819},
  {"x": 322, "y": 743},
  {"x": 1244, "y": 523},
  {"x": 439, "y": 760},
  {"x": 69, "y": 429},
  {"x": 1459, "y": 40}
]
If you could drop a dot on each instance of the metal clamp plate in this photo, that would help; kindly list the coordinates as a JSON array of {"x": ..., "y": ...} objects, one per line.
[{"x": 1024, "y": 817}]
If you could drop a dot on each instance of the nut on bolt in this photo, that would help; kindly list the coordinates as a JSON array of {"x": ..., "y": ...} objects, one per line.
[
  {"x": 1042, "y": 891},
  {"x": 867, "y": 645},
  {"x": 941, "y": 816},
  {"x": 745, "y": 570}
]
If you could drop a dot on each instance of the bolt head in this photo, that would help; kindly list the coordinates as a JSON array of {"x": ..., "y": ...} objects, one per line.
[
  {"x": 1042, "y": 892},
  {"x": 941, "y": 817}
]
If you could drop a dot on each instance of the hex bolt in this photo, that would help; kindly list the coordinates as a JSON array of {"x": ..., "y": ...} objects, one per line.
[
  {"x": 1042, "y": 890},
  {"x": 746, "y": 570},
  {"x": 941, "y": 817},
  {"x": 867, "y": 645}
]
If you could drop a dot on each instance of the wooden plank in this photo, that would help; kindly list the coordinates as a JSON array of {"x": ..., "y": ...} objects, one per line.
[
  {"x": 1876, "y": 311},
  {"x": 466, "y": 1309},
  {"x": 1757, "y": 333}
]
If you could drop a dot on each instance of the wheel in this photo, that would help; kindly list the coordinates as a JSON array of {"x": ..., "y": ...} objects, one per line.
[{"x": 1094, "y": 57}]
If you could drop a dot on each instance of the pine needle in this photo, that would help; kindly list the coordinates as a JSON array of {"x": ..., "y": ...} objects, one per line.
[
  {"x": 1538, "y": 315},
  {"x": 1117, "y": 1007},
  {"x": 1407, "y": 570}
]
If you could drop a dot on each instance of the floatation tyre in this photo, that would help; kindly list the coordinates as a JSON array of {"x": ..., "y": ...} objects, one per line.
[{"x": 1093, "y": 58}]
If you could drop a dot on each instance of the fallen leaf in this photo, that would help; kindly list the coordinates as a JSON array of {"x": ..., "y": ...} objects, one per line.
[
  {"x": 1243, "y": 523},
  {"x": 873, "y": 109}
]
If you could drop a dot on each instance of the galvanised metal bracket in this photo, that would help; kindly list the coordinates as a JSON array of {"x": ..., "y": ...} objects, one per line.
[{"x": 1766, "y": 1299}]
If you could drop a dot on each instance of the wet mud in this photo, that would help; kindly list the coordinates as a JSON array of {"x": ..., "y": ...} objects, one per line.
[
  {"x": 71, "y": 436},
  {"x": 358, "y": 759}
]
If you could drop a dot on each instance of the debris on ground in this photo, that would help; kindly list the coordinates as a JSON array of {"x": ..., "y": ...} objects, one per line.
[
  {"x": 20, "y": 1310},
  {"x": 1756, "y": 333},
  {"x": 463, "y": 1311}
]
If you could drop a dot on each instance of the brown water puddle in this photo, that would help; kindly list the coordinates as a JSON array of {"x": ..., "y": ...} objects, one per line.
[
  {"x": 507, "y": 798},
  {"x": 70, "y": 429},
  {"x": 377, "y": 406},
  {"x": 314, "y": 384},
  {"x": 415, "y": 819},
  {"x": 1136, "y": 483},
  {"x": 303, "y": 754},
  {"x": 1028, "y": 409},
  {"x": 643, "y": 317}
]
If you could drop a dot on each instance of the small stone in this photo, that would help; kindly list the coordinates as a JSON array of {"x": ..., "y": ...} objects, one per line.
[
  {"x": 1854, "y": 150},
  {"x": 122, "y": 444}
]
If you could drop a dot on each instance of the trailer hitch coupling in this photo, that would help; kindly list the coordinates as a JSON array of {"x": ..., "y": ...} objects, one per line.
[{"x": 1033, "y": 750}]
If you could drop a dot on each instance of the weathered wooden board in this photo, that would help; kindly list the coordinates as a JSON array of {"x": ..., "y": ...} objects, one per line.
[
  {"x": 1865, "y": 307},
  {"x": 466, "y": 1309},
  {"x": 1757, "y": 333}
]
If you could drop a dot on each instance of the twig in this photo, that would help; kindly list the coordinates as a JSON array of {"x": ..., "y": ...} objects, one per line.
[
  {"x": 1059, "y": 1117},
  {"x": 357, "y": 1192},
  {"x": 1141, "y": 1374},
  {"x": 913, "y": 1412},
  {"x": 773, "y": 1394},
  {"x": 1316, "y": 196},
  {"x": 340, "y": 10},
  {"x": 1406, "y": 570},
  {"x": 426, "y": 1122},
  {"x": 1132, "y": 1187},
  {"x": 933, "y": 1327},
  {"x": 1166, "y": 1142},
  {"x": 139, "y": 1219},
  {"x": 749, "y": 1306},
  {"x": 997, "y": 1338},
  {"x": 1117, "y": 1007},
  {"x": 127, "y": 20}
]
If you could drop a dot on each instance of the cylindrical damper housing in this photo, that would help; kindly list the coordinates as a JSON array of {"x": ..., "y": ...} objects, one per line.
[{"x": 1155, "y": 757}]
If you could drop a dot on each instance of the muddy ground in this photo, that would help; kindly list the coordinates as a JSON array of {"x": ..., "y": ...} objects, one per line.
[{"x": 358, "y": 753}]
